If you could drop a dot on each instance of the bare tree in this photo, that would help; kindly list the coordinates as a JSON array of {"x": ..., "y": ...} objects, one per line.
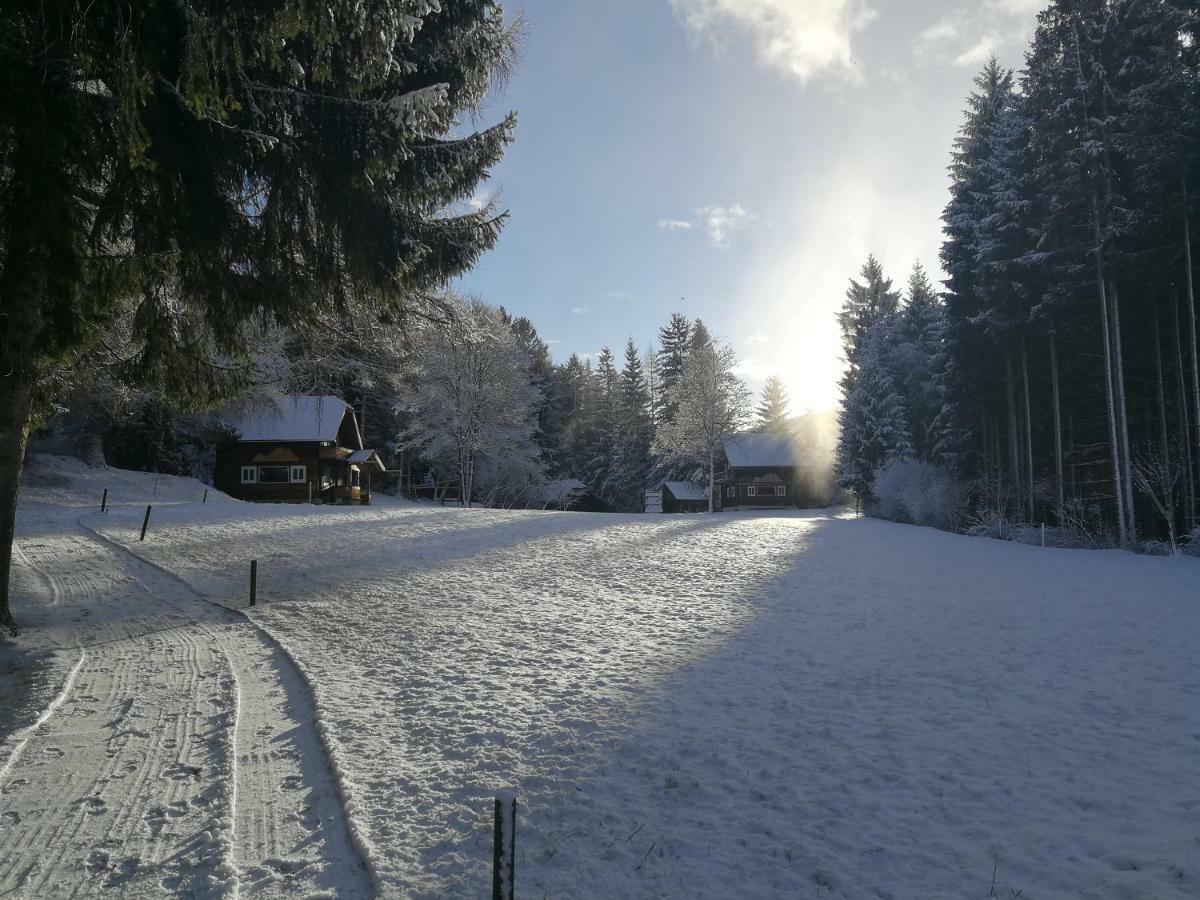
[
  {"x": 710, "y": 403},
  {"x": 1157, "y": 472},
  {"x": 472, "y": 401}
]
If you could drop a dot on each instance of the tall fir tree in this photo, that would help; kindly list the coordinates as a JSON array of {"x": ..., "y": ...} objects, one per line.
[
  {"x": 214, "y": 170},
  {"x": 772, "y": 412}
]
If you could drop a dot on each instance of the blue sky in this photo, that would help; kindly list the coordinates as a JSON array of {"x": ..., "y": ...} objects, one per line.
[{"x": 734, "y": 160}]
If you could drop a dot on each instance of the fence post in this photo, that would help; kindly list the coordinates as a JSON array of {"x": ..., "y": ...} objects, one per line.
[
  {"x": 104, "y": 501},
  {"x": 504, "y": 855},
  {"x": 145, "y": 522},
  {"x": 253, "y": 580}
]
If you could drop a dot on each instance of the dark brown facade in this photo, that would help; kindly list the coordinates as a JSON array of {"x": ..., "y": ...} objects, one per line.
[
  {"x": 760, "y": 487},
  {"x": 675, "y": 504},
  {"x": 297, "y": 471}
]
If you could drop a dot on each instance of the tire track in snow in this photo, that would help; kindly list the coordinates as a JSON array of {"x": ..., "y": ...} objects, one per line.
[
  {"x": 77, "y": 807},
  {"x": 284, "y": 791}
]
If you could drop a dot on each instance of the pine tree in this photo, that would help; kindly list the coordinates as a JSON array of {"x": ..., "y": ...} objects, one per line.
[
  {"x": 630, "y": 470},
  {"x": 215, "y": 169},
  {"x": 772, "y": 412},
  {"x": 874, "y": 428},
  {"x": 674, "y": 340},
  {"x": 866, "y": 305}
]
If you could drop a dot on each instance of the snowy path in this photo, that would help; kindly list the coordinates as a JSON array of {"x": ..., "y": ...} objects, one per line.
[
  {"x": 180, "y": 756},
  {"x": 686, "y": 706}
]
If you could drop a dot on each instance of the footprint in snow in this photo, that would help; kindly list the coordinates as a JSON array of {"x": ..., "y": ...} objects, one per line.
[
  {"x": 181, "y": 772},
  {"x": 92, "y": 806}
]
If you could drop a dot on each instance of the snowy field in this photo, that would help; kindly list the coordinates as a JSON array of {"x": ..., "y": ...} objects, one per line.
[{"x": 799, "y": 705}]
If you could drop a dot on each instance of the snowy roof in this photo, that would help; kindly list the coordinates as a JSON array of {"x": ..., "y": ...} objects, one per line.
[
  {"x": 759, "y": 450},
  {"x": 361, "y": 457},
  {"x": 686, "y": 490},
  {"x": 296, "y": 417}
]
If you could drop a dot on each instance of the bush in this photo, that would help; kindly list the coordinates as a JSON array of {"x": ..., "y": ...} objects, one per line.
[
  {"x": 1192, "y": 547},
  {"x": 906, "y": 490}
]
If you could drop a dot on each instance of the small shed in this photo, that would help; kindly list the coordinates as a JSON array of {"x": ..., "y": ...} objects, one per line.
[
  {"x": 298, "y": 449},
  {"x": 684, "y": 497}
]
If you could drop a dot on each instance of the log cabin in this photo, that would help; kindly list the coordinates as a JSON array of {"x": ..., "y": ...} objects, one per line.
[
  {"x": 761, "y": 471},
  {"x": 301, "y": 449},
  {"x": 682, "y": 497}
]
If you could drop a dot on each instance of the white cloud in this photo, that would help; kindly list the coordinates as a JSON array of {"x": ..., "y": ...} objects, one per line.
[
  {"x": 759, "y": 338},
  {"x": 580, "y": 311},
  {"x": 721, "y": 221},
  {"x": 945, "y": 30},
  {"x": 616, "y": 295},
  {"x": 979, "y": 52},
  {"x": 801, "y": 38},
  {"x": 675, "y": 224}
]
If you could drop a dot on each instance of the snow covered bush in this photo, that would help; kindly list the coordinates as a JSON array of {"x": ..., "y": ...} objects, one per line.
[
  {"x": 1192, "y": 547},
  {"x": 907, "y": 490}
]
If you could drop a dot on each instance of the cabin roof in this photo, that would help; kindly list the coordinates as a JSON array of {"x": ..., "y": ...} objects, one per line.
[
  {"x": 365, "y": 457},
  {"x": 686, "y": 490},
  {"x": 755, "y": 450},
  {"x": 296, "y": 417}
]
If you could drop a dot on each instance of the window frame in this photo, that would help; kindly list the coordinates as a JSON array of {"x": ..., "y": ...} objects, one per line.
[
  {"x": 303, "y": 470},
  {"x": 287, "y": 475},
  {"x": 252, "y": 472}
]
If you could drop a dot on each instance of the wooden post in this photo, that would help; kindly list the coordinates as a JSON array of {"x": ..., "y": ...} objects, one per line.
[
  {"x": 104, "y": 501},
  {"x": 154, "y": 493},
  {"x": 1043, "y": 534},
  {"x": 145, "y": 522},
  {"x": 253, "y": 581},
  {"x": 205, "y": 500},
  {"x": 504, "y": 842},
  {"x": 310, "y": 493}
]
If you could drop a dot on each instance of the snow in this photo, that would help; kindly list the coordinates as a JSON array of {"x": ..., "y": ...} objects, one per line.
[
  {"x": 686, "y": 490},
  {"x": 294, "y": 418},
  {"x": 754, "y": 450},
  {"x": 732, "y": 705}
]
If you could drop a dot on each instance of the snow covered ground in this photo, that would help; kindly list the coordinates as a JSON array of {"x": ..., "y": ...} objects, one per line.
[{"x": 702, "y": 706}]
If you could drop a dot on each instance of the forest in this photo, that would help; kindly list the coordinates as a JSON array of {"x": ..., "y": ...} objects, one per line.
[{"x": 1055, "y": 380}]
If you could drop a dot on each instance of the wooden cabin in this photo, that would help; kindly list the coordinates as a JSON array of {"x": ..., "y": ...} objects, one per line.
[
  {"x": 302, "y": 449},
  {"x": 762, "y": 471}
]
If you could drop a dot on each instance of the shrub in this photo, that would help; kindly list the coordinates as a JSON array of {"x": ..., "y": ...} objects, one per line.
[{"x": 907, "y": 490}]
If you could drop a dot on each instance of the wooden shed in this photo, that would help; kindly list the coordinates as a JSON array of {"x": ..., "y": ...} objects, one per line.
[
  {"x": 684, "y": 497},
  {"x": 300, "y": 449}
]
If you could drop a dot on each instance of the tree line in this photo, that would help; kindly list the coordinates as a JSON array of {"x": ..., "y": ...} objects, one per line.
[{"x": 1056, "y": 377}]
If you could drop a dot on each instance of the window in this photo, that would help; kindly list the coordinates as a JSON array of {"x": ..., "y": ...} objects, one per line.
[
  {"x": 299, "y": 474},
  {"x": 272, "y": 474},
  {"x": 249, "y": 475},
  {"x": 766, "y": 490}
]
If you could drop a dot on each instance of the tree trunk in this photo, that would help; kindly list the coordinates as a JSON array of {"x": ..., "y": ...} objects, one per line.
[
  {"x": 1119, "y": 481},
  {"x": 1014, "y": 459},
  {"x": 1191, "y": 308},
  {"x": 712, "y": 469},
  {"x": 1028, "y": 430},
  {"x": 1167, "y": 457},
  {"x": 1123, "y": 414},
  {"x": 15, "y": 413},
  {"x": 25, "y": 267},
  {"x": 1185, "y": 426},
  {"x": 1058, "y": 437}
]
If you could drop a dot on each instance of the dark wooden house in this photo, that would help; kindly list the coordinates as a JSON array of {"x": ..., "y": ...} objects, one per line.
[
  {"x": 301, "y": 449},
  {"x": 761, "y": 471}
]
